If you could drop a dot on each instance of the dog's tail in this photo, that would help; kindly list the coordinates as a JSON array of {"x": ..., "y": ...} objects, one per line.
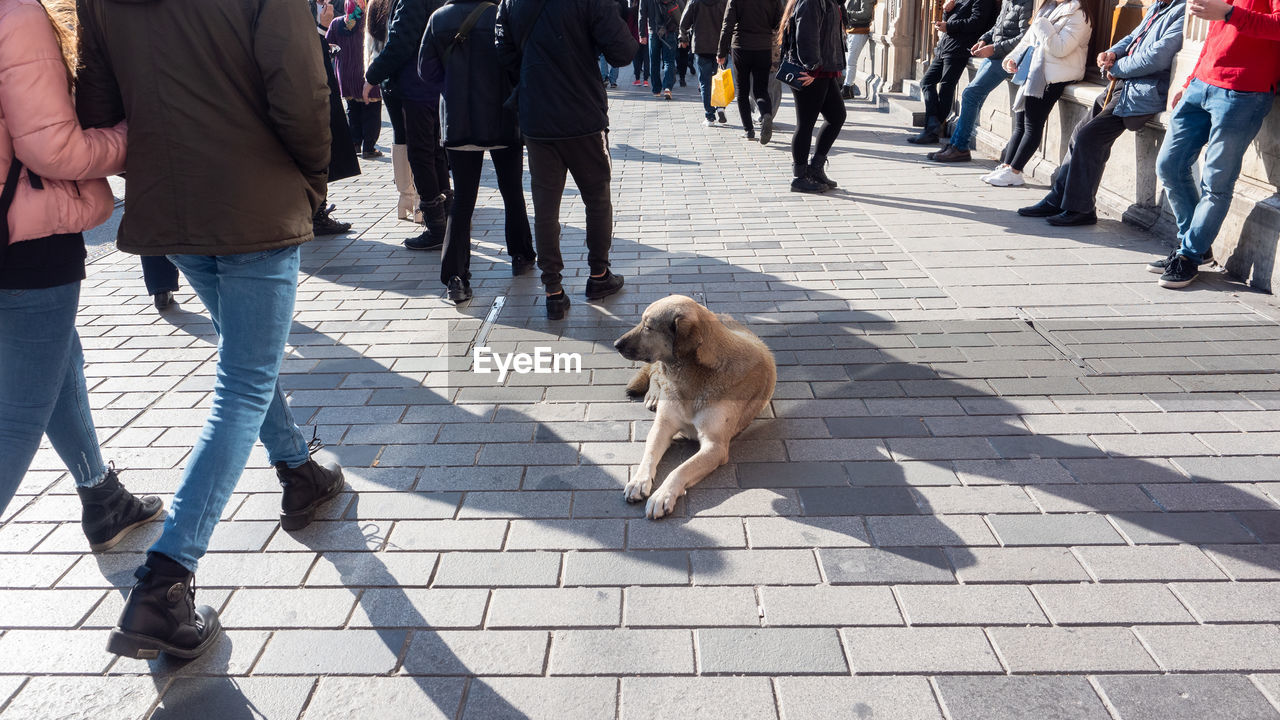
[{"x": 639, "y": 384}]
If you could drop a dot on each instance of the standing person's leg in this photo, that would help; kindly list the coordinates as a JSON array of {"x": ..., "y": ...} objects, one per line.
[
  {"x": 455, "y": 261},
  {"x": 808, "y": 105},
  {"x": 655, "y": 64},
  {"x": 833, "y": 116},
  {"x": 547, "y": 172},
  {"x": 604, "y": 68},
  {"x": 856, "y": 42},
  {"x": 742, "y": 89},
  {"x": 990, "y": 76},
  {"x": 706, "y": 71},
  {"x": 407, "y": 206},
  {"x": 639, "y": 68},
  {"x": 161, "y": 279},
  {"x": 952, "y": 69},
  {"x": 587, "y": 159},
  {"x": 422, "y": 127},
  {"x": 508, "y": 164},
  {"x": 355, "y": 121},
  {"x": 1188, "y": 132},
  {"x": 929, "y": 88},
  {"x": 1075, "y": 187},
  {"x": 372, "y": 126}
]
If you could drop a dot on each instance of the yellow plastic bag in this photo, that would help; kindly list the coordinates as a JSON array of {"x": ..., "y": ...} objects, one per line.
[{"x": 722, "y": 88}]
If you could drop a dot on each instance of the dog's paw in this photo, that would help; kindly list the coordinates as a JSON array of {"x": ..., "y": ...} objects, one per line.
[
  {"x": 637, "y": 489},
  {"x": 651, "y": 398},
  {"x": 662, "y": 502}
]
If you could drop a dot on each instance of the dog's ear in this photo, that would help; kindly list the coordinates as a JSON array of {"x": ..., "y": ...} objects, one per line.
[{"x": 691, "y": 344}]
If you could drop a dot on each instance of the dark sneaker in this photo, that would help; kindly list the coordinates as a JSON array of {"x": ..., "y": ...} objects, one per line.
[
  {"x": 324, "y": 224},
  {"x": 163, "y": 300},
  {"x": 613, "y": 86},
  {"x": 926, "y": 137},
  {"x": 459, "y": 290},
  {"x": 109, "y": 512},
  {"x": 682, "y": 82},
  {"x": 161, "y": 616},
  {"x": 950, "y": 154},
  {"x": 806, "y": 184},
  {"x": 305, "y": 488},
  {"x": 749, "y": 134},
  {"x": 557, "y": 305},
  {"x": 720, "y": 118},
  {"x": 425, "y": 241},
  {"x": 1180, "y": 273},
  {"x": 602, "y": 287},
  {"x": 371, "y": 154},
  {"x": 766, "y": 128},
  {"x": 846, "y": 92},
  {"x": 1159, "y": 266},
  {"x": 1068, "y": 218},
  {"x": 1042, "y": 209},
  {"x": 521, "y": 265}
]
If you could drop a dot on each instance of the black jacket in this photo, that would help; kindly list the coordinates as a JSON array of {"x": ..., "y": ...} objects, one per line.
[
  {"x": 1011, "y": 25},
  {"x": 475, "y": 82},
  {"x": 397, "y": 64},
  {"x": 660, "y": 17},
  {"x": 703, "y": 19},
  {"x": 965, "y": 24},
  {"x": 750, "y": 25},
  {"x": 559, "y": 75},
  {"x": 814, "y": 36}
]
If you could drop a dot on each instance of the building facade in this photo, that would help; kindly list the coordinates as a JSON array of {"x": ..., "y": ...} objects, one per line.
[{"x": 902, "y": 43}]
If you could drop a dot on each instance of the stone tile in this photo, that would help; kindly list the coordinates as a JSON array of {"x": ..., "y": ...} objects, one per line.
[
  {"x": 1210, "y": 496},
  {"x": 372, "y": 569},
  {"x": 557, "y": 607},
  {"x": 222, "y": 697},
  {"x": 449, "y": 535},
  {"x": 477, "y": 652},
  {"x": 825, "y": 605},
  {"x": 288, "y": 608},
  {"x": 331, "y": 652},
  {"x": 1023, "y": 565},
  {"x": 857, "y": 698},
  {"x": 753, "y": 567},
  {"x": 1111, "y": 604},
  {"x": 807, "y": 532},
  {"x": 1087, "y": 529},
  {"x": 1012, "y": 472},
  {"x": 691, "y": 533},
  {"x": 1071, "y": 650},
  {"x": 622, "y": 652},
  {"x": 930, "y": 530},
  {"x": 40, "y": 652},
  {"x": 66, "y": 698},
  {"x": 727, "y": 698},
  {"x": 857, "y": 501},
  {"x": 917, "y": 651},
  {"x": 1195, "y": 528},
  {"x": 1185, "y": 697},
  {"x": 341, "y": 698},
  {"x": 738, "y": 503},
  {"x": 395, "y": 607},
  {"x": 54, "y": 609},
  {"x": 976, "y": 500},
  {"x": 523, "y": 504},
  {"x": 874, "y": 566},
  {"x": 1050, "y": 697},
  {"x": 517, "y": 698},
  {"x": 566, "y": 535},
  {"x": 1149, "y": 563},
  {"x": 732, "y": 651},
  {"x": 1091, "y": 498},
  {"x": 629, "y": 568},
  {"x": 1237, "y": 602},
  {"x": 1214, "y": 648},
  {"x": 690, "y": 607},
  {"x": 470, "y": 569},
  {"x": 970, "y": 605}
]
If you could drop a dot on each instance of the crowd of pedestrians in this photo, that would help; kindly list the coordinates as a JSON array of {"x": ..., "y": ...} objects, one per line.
[{"x": 80, "y": 100}]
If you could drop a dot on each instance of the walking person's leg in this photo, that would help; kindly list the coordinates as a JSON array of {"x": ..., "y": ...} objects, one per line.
[
  {"x": 706, "y": 71},
  {"x": 455, "y": 260},
  {"x": 655, "y": 64},
  {"x": 508, "y": 164},
  {"x": 161, "y": 278},
  {"x": 761, "y": 60},
  {"x": 668, "y": 46},
  {"x": 742, "y": 70}
]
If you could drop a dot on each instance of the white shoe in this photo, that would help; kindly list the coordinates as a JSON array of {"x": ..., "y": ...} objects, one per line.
[
  {"x": 708, "y": 123},
  {"x": 1006, "y": 177},
  {"x": 988, "y": 176}
]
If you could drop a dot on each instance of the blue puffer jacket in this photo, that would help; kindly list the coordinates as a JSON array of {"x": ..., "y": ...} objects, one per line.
[{"x": 1145, "y": 71}]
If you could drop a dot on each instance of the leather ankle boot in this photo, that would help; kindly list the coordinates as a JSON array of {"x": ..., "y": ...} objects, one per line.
[
  {"x": 160, "y": 615},
  {"x": 109, "y": 512},
  {"x": 817, "y": 171},
  {"x": 305, "y": 489}
]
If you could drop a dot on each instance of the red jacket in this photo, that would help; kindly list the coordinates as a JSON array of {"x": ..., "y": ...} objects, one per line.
[{"x": 1243, "y": 53}]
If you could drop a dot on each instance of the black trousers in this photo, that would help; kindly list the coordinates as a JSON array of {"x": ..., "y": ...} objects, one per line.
[
  {"x": 939, "y": 87},
  {"x": 640, "y": 65},
  {"x": 466, "y": 166},
  {"x": 365, "y": 121},
  {"x": 751, "y": 77},
  {"x": 587, "y": 160},
  {"x": 427, "y": 160},
  {"x": 159, "y": 274},
  {"x": 684, "y": 62},
  {"x": 822, "y": 97},
  {"x": 395, "y": 111},
  {"x": 1076, "y": 181},
  {"x": 1028, "y": 126}
]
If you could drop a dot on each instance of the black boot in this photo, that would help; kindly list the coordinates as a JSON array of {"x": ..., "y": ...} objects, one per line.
[
  {"x": 163, "y": 299},
  {"x": 306, "y": 488},
  {"x": 928, "y": 136},
  {"x": 557, "y": 305},
  {"x": 324, "y": 224},
  {"x": 459, "y": 290},
  {"x": 160, "y": 615},
  {"x": 110, "y": 512},
  {"x": 435, "y": 215},
  {"x": 803, "y": 183},
  {"x": 817, "y": 173},
  {"x": 602, "y": 287},
  {"x": 521, "y": 264}
]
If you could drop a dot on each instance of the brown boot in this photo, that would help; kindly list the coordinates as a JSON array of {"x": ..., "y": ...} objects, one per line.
[{"x": 950, "y": 154}]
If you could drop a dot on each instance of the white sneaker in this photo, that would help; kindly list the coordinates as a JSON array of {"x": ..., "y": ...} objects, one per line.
[
  {"x": 988, "y": 176},
  {"x": 708, "y": 123},
  {"x": 1006, "y": 177}
]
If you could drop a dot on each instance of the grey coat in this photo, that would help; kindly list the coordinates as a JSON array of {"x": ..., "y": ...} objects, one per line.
[
  {"x": 1145, "y": 71},
  {"x": 1011, "y": 25}
]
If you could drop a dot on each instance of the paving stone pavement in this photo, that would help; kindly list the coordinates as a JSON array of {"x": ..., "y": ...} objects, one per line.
[{"x": 1004, "y": 475}]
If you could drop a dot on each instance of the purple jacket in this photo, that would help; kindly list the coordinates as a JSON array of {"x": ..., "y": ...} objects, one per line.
[{"x": 349, "y": 62}]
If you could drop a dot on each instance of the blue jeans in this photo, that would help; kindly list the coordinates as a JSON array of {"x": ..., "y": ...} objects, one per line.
[
  {"x": 662, "y": 57},
  {"x": 250, "y": 299},
  {"x": 607, "y": 71},
  {"x": 707, "y": 68},
  {"x": 1226, "y": 121},
  {"x": 990, "y": 76},
  {"x": 42, "y": 388},
  {"x": 159, "y": 274}
]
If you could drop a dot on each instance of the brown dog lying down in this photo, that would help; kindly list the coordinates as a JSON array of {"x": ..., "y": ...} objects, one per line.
[{"x": 707, "y": 377}]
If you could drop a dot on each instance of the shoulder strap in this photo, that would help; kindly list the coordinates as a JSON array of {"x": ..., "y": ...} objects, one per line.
[
  {"x": 6, "y": 200},
  {"x": 465, "y": 29},
  {"x": 542, "y": 4}
]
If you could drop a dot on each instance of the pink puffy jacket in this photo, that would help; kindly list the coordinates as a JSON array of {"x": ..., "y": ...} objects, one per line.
[{"x": 38, "y": 123}]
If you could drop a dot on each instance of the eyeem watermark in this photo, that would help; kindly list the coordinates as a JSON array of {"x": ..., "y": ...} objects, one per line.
[{"x": 542, "y": 361}]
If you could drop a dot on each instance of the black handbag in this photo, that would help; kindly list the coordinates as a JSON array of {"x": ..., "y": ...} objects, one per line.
[{"x": 789, "y": 74}]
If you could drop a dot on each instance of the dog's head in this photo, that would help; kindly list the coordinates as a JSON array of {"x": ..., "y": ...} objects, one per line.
[{"x": 673, "y": 330}]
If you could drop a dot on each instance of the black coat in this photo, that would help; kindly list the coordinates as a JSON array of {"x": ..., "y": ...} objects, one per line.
[
  {"x": 750, "y": 25},
  {"x": 815, "y": 36},
  {"x": 561, "y": 95},
  {"x": 1011, "y": 24},
  {"x": 343, "y": 163},
  {"x": 397, "y": 64},
  {"x": 966, "y": 23},
  {"x": 475, "y": 83},
  {"x": 700, "y": 25}
]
